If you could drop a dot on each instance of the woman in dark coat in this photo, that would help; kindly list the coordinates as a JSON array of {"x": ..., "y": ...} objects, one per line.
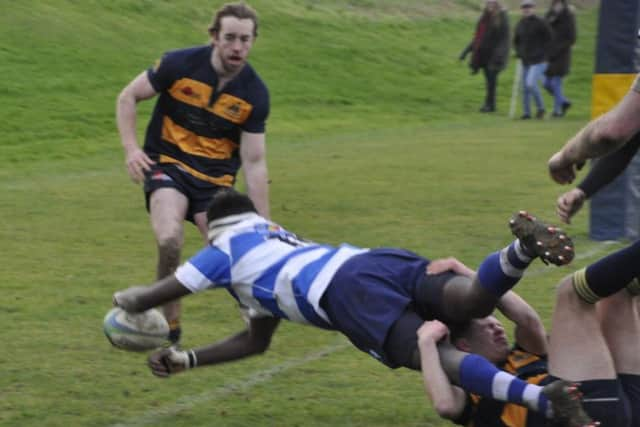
[
  {"x": 490, "y": 49},
  {"x": 563, "y": 23}
]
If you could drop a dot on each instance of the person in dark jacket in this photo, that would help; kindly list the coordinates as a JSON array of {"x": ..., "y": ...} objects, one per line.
[
  {"x": 563, "y": 24},
  {"x": 532, "y": 40},
  {"x": 489, "y": 49}
]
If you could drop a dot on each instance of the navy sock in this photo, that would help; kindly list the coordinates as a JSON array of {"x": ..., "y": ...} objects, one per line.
[
  {"x": 500, "y": 271},
  {"x": 609, "y": 275},
  {"x": 479, "y": 376}
]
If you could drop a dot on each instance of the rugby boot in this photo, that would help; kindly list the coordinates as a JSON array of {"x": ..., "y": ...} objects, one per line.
[{"x": 538, "y": 239}]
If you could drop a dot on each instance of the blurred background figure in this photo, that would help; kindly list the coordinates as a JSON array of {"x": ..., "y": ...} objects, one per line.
[
  {"x": 489, "y": 49},
  {"x": 562, "y": 21},
  {"x": 532, "y": 40}
]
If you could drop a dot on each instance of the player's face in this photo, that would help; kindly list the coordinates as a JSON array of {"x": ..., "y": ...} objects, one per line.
[
  {"x": 488, "y": 339},
  {"x": 233, "y": 43}
]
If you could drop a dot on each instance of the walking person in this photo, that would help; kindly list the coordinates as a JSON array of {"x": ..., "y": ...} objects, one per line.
[
  {"x": 562, "y": 21},
  {"x": 532, "y": 39},
  {"x": 489, "y": 49}
]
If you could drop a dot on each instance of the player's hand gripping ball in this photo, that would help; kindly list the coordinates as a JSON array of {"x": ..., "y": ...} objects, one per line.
[{"x": 136, "y": 331}]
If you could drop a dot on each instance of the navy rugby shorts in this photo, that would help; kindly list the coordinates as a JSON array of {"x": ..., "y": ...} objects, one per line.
[
  {"x": 170, "y": 176},
  {"x": 608, "y": 402}
]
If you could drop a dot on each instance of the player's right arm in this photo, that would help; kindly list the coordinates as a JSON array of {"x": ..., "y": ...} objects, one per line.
[
  {"x": 601, "y": 136},
  {"x": 137, "y": 90},
  {"x": 254, "y": 340},
  {"x": 448, "y": 400}
]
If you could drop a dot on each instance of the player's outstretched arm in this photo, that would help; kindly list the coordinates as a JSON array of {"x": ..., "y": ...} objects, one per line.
[
  {"x": 254, "y": 340},
  {"x": 602, "y": 136},
  {"x": 140, "y": 298}
]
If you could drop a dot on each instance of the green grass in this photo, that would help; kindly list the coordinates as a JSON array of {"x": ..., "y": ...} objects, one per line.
[{"x": 373, "y": 139}]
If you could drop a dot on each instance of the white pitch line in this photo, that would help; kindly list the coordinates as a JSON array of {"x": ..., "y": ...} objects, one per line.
[
  {"x": 259, "y": 377},
  {"x": 152, "y": 417},
  {"x": 591, "y": 252}
]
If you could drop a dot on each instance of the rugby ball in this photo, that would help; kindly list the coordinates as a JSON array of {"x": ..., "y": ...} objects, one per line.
[{"x": 136, "y": 332}]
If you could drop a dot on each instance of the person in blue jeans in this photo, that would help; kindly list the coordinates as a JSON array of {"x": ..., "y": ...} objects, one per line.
[
  {"x": 532, "y": 39},
  {"x": 563, "y": 24}
]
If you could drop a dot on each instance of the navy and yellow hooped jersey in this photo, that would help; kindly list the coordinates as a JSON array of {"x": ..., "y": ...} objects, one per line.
[
  {"x": 196, "y": 127},
  {"x": 484, "y": 412}
]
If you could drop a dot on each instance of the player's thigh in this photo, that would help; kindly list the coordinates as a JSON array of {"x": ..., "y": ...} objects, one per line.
[
  {"x": 620, "y": 323},
  {"x": 167, "y": 208},
  {"x": 577, "y": 348},
  {"x": 200, "y": 220},
  {"x": 401, "y": 344}
]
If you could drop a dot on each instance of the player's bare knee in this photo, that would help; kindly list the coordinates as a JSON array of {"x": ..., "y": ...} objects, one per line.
[
  {"x": 169, "y": 250},
  {"x": 565, "y": 292}
]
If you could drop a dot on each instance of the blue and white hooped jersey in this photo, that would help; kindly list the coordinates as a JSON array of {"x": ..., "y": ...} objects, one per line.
[{"x": 267, "y": 269}]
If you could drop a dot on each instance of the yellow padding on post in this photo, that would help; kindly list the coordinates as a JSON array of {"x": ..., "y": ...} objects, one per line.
[{"x": 608, "y": 90}]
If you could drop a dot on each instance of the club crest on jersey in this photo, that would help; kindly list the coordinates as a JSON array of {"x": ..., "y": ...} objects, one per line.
[
  {"x": 232, "y": 108},
  {"x": 187, "y": 90},
  {"x": 160, "y": 176}
]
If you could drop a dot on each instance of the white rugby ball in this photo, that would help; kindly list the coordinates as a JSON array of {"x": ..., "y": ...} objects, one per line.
[{"x": 136, "y": 332}]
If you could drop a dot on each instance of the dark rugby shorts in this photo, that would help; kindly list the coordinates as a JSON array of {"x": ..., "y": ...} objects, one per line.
[
  {"x": 606, "y": 401},
  {"x": 401, "y": 345},
  {"x": 369, "y": 293},
  {"x": 170, "y": 176}
]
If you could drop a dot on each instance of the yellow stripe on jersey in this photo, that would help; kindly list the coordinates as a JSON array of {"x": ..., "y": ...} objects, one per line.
[
  {"x": 514, "y": 415},
  {"x": 190, "y": 143},
  {"x": 582, "y": 288},
  {"x": 234, "y": 109},
  {"x": 191, "y": 92},
  {"x": 224, "y": 180},
  {"x": 517, "y": 359}
]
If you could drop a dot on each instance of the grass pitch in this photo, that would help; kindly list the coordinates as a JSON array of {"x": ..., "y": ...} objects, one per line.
[{"x": 373, "y": 140}]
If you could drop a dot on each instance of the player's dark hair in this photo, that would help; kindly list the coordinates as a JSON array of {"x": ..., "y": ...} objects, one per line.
[
  {"x": 226, "y": 202},
  {"x": 237, "y": 10},
  {"x": 459, "y": 330}
]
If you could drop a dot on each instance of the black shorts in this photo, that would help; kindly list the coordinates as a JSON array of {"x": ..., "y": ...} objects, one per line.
[
  {"x": 401, "y": 344},
  {"x": 606, "y": 401},
  {"x": 198, "y": 193},
  {"x": 428, "y": 297},
  {"x": 631, "y": 386}
]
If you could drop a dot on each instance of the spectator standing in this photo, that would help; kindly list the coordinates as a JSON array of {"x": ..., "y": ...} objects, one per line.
[
  {"x": 562, "y": 21},
  {"x": 489, "y": 49},
  {"x": 532, "y": 40}
]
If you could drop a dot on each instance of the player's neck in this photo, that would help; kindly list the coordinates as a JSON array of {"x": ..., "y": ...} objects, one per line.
[
  {"x": 224, "y": 75},
  {"x": 220, "y": 225}
]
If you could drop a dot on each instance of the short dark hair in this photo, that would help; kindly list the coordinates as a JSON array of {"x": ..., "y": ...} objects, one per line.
[
  {"x": 226, "y": 202},
  {"x": 237, "y": 10}
]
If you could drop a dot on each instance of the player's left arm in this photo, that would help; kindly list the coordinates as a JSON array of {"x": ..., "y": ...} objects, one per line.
[
  {"x": 253, "y": 154},
  {"x": 141, "y": 298},
  {"x": 530, "y": 333},
  {"x": 254, "y": 340}
]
